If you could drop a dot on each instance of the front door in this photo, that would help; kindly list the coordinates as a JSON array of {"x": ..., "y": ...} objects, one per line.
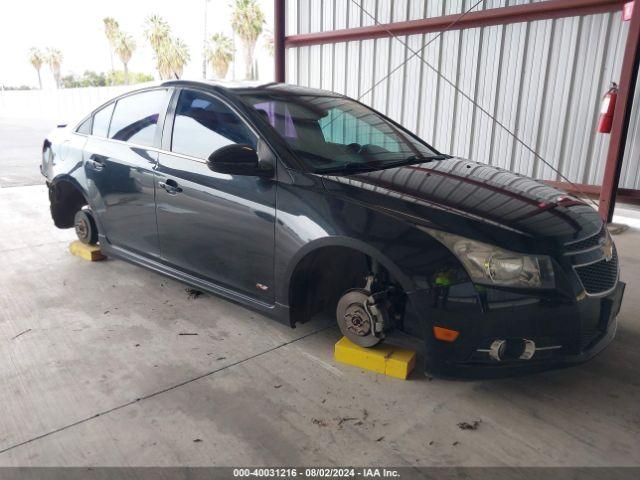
[
  {"x": 215, "y": 226},
  {"x": 119, "y": 164}
]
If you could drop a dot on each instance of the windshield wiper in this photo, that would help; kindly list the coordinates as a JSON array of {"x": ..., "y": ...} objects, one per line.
[
  {"x": 414, "y": 159},
  {"x": 356, "y": 167}
]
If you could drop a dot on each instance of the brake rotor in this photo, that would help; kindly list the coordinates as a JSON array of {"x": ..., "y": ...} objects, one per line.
[
  {"x": 355, "y": 319},
  {"x": 82, "y": 229}
]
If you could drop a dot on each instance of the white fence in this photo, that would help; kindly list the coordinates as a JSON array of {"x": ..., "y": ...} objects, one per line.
[{"x": 61, "y": 106}]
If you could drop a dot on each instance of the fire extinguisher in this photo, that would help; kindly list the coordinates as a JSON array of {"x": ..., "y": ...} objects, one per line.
[
  {"x": 627, "y": 11},
  {"x": 607, "y": 109}
]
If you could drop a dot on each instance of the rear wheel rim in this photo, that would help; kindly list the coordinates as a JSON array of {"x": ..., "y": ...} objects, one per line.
[{"x": 82, "y": 229}]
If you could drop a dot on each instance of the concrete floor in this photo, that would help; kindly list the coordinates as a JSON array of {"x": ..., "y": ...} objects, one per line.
[
  {"x": 95, "y": 371},
  {"x": 21, "y": 150}
]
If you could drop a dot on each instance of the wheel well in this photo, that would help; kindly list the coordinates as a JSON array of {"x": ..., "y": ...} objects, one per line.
[
  {"x": 323, "y": 275},
  {"x": 66, "y": 199}
]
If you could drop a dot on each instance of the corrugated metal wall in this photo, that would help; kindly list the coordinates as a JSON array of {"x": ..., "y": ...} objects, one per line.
[
  {"x": 630, "y": 169},
  {"x": 543, "y": 80}
]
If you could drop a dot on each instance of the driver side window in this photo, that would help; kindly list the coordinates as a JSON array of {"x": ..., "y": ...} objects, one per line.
[{"x": 203, "y": 124}]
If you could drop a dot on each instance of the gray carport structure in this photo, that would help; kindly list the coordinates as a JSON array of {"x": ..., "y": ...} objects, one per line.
[
  {"x": 95, "y": 372},
  {"x": 539, "y": 69}
]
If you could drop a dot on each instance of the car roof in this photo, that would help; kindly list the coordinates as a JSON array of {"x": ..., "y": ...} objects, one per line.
[{"x": 248, "y": 88}]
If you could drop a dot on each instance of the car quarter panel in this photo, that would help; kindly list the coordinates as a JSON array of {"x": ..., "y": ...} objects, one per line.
[
  {"x": 62, "y": 161},
  {"x": 62, "y": 156}
]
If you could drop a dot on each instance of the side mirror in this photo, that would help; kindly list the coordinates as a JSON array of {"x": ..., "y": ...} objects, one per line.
[{"x": 238, "y": 159}]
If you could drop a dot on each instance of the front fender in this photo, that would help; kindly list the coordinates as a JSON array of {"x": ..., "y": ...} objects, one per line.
[
  {"x": 347, "y": 242},
  {"x": 316, "y": 218}
]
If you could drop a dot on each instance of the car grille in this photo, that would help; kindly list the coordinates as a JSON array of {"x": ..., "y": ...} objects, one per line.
[
  {"x": 599, "y": 277},
  {"x": 588, "y": 243}
]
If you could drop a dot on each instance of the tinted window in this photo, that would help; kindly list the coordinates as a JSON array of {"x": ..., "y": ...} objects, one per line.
[
  {"x": 281, "y": 121},
  {"x": 136, "y": 117},
  {"x": 101, "y": 121},
  {"x": 85, "y": 127},
  {"x": 203, "y": 124}
]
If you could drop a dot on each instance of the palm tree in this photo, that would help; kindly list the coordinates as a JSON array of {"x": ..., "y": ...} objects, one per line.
[
  {"x": 157, "y": 32},
  {"x": 163, "y": 60},
  {"x": 54, "y": 59},
  {"x": 219, "y": 53},
  {"x": 124, "y": 47},
  {"x": 36, "y": 58},
  {"x": 179, "y": 56},
  {"x": 247, "y": 20},
  {"x": 111, "y": 31},
  {"x": 172, "y": 56}
]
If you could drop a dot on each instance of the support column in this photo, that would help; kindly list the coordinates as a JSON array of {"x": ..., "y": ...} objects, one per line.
[
  {"x": 621, "y": 118},
  {"x": 279, "y": 38}
]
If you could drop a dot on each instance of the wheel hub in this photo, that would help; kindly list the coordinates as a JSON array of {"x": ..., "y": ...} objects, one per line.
[
  {"x": 359, "y": 318},
  {"x": 82, "y": 229}
]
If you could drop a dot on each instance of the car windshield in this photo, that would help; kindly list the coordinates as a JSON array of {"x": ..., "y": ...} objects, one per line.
[{"x": 335, "y": 134}]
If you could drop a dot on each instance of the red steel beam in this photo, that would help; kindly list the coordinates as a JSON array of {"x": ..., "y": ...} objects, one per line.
[
  {"x": 627, "y": 195},
  {"x": 493, "y": 16},
  {"x": 279, "y": 39},
  {"x": 621, "y": 118},
  {"x": 591, "y": 190}
]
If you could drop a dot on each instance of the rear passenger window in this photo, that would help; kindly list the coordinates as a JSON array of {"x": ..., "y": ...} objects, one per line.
[
  {"x": 203, "y": 124},
  {"x": 136, "y": 117},
  {"x": 85, "y": 127},
  {"x": 101, "y": 121}
]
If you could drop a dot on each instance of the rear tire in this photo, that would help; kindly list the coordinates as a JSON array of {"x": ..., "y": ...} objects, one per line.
[{"x": 85, "y": 227}]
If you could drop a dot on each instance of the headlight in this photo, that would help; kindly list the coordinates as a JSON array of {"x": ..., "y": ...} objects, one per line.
[{"x": 491, "y": 265}]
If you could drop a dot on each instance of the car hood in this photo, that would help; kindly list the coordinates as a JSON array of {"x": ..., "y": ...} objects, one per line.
[{"x": 445, "y": 191}]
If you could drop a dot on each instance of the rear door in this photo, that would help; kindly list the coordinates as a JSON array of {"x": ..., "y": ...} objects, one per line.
[
  {"x": 215, "y": 226},
  {"x": 120, "y": 158}
]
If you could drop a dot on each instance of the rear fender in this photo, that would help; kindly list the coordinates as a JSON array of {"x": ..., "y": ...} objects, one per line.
[{"x": 66, "y": 197}]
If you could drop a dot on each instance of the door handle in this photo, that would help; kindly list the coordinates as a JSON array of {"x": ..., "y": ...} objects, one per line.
[{"x": 171, "y": 187}]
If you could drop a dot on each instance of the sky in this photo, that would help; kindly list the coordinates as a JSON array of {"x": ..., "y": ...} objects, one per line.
[{"x": 75, "y": 27}]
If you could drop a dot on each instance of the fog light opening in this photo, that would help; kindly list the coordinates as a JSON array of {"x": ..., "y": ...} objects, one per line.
[
  {"x": 497, "y": 349},
  {"x": 529, "y": 350},
  {"x": 512, "y": 349}
]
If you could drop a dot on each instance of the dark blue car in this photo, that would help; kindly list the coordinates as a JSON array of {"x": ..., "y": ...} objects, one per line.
[{"x": 296, "y": 202}]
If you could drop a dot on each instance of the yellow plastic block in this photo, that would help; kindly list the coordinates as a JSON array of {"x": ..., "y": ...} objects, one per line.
[
  {"x": 386, "y": 359},
  {"x": 91, "y": 253}
]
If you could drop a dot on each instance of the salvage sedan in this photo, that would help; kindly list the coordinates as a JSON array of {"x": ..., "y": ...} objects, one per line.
[{"x": 298, "y": 202}]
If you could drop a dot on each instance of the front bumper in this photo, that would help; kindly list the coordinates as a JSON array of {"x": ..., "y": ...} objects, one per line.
[{"x": 565, "y": 332}]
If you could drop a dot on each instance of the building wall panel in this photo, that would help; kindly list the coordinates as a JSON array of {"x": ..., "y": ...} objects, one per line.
[
  {"x": 630, "y": 169},
  {"x": 542, "y": 80}
]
